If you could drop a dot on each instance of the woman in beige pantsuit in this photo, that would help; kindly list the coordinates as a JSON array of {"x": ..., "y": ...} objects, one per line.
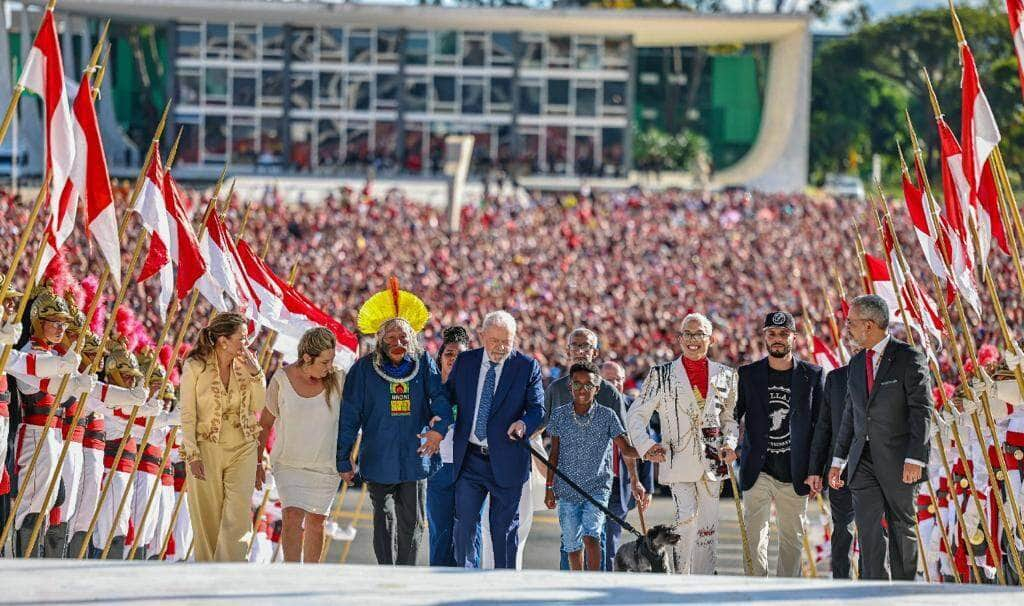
[{"x": 222, "y": 391}]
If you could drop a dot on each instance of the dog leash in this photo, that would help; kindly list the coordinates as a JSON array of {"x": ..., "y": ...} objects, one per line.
[{"x": 623, "y": 523}]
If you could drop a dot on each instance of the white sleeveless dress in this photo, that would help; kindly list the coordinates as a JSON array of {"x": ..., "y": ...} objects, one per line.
[{"x": 303, "y": 456}]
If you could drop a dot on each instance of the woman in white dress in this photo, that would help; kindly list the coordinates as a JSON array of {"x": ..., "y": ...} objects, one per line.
[{"x": 304, "y": 402}]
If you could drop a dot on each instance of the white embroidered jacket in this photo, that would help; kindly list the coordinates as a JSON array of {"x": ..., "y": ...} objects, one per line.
[{"x": 668, "y": 392}]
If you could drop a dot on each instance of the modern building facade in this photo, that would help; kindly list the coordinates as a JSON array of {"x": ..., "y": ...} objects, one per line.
[{"x": 323, "y": 88}]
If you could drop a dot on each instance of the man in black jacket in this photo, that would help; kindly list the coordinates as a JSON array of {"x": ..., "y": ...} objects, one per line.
[
  {"x": 777, "y": 404},
  {"x": 830, "y": 417},
  {"x": 883, "y": 440}
]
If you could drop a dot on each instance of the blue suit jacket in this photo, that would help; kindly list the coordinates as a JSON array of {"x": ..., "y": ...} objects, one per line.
[
  {"x": 752, "y": 413},
  {"x": 519, "y": 396}
]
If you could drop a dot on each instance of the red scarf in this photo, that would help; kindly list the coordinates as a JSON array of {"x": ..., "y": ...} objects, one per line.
[{"x": 697, "y": 373}]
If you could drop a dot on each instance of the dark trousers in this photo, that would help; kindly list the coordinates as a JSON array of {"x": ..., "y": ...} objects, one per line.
[
  {"x": 474, "y": 483},
  {"x": 441, "y": 516},
  {"x": 398, "y": 529},
  {"x": 612, "y": 530},
  {"x": 842, "y": 531},
  {"x": 878, "y": 493}
]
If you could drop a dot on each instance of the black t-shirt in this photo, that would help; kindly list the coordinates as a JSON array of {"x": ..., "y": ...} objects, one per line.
[{"x": 776, "y": 463}]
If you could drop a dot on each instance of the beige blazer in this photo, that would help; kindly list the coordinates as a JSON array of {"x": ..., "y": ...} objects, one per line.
[{"x": 203, "y": 400}]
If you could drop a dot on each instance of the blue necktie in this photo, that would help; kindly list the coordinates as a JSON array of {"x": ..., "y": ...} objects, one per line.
[{"x": 484, "y": 413}]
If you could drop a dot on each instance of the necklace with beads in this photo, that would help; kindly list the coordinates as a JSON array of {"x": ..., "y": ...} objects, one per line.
[
  {"x": 380, "y": 372},
  {"x": 589, "y": 417}
]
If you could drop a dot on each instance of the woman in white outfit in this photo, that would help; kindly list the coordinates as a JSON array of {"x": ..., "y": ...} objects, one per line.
[{"x": 304, "y": 401}]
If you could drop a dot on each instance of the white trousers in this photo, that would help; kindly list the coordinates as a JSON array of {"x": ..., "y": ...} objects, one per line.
[
  {"x": 144, "y": 486},
  {"x": 161, "y": 513},
  {"x": 106, "y": 525},
  {"x": 182, "y": 532},
  {"x": 34, "y": 487},
  {"x": 525, "y": 523},
  {"x": 71, "y": 476},
  {"x": 696, "y": 521},
  {"x": 89, "y": 490}
]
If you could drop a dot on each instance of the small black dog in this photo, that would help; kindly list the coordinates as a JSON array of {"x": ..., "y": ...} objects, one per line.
[{"x": 649, "y": 553}]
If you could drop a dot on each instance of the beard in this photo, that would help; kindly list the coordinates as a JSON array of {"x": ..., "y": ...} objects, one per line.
[{"x": 779, "y": 351}]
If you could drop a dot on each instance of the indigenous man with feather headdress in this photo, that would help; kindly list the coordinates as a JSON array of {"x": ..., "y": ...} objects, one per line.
[{"x": 393, "y": 395}]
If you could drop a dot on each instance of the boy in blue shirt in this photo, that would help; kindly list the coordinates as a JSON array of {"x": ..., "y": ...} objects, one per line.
[{"x": 581, "y": 448}]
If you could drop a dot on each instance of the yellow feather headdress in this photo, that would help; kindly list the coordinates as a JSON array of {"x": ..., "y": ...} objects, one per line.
[{"x": 389, "y": 304}]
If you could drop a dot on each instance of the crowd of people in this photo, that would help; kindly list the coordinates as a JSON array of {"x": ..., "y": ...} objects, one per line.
[
  {"x": 555, "y": 350},
  {"x": 623, "y": 261}
]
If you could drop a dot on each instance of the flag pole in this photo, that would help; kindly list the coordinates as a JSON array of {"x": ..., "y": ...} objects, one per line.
[
  {"x": 12, "y": 106},
  {"x": 156, "y": 484},
  {"x": 78, "y": 347},
  {"x": 165, "y": 544},
  {"x": 339, "y": 501},
  {"x": 865, "y": 275},
  {"x": 946, "y": 405},
  {"x": 90, "y": 313},
  {"x": 955, "y": 347},
  {"x": 126, "y": 435},
  {"x": 256, "y": 520},
  {"x": 183, "y": 328},
  {"x": 1010, "y": 343},
  {"x": 1004, "y": 195}
]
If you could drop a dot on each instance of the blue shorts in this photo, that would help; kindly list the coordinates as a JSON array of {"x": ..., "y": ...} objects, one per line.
[{"x": 579, "y": 520}]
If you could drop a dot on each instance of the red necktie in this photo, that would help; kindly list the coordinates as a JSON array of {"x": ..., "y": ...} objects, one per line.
[{"x": 871, "y": 369}]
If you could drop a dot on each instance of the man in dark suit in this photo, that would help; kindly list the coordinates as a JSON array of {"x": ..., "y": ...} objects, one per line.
[
  {"x": 500, "y": 402},
  {"x": 883, "y": 440},
  {"x": 626, "y": 487},
  {"x": 826, "y": 430},
  {"x": 777, "y": 405}
]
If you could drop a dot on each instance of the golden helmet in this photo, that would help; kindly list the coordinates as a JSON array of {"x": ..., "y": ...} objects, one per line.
[
  {"x": 48, "y": 306},
  {"x": 147, "y": 358},
  {"x": 168, "y": 393},
  {"x": 77, "y": 322},
  {"x": 11, "y": 292},
  {"x": 122, "y": 365},
  {"x": 91, "y": 347}
]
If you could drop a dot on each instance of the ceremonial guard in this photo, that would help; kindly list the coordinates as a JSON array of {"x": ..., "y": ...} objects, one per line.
[
  {"x": 120, "y": 368},
  {"x": 49, "y": 318}
]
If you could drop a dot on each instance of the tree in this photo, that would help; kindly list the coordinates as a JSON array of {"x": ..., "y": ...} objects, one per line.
[{"x": 861, "y": 84}]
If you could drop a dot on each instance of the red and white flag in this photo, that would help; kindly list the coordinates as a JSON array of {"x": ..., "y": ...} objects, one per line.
[
  {"x": 881, "y": 284},
  {"x": 979, "y": 134},
  {"x": 184, "y": 246},
  {"x": 1015, "y": 13},
  {"x": 43, "y": 75},
  {"x": 152, "y": 209},
  {"x": 92, "y": 181},
  {"x": 284, "y": 310},
  {"x": 924, "y": 227},
  {"x": 224, "y": 275},
  {"x": 824, "y": 357}
]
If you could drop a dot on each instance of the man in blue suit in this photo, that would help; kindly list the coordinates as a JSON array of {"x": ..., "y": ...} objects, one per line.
[
  {"x": 777, "y": 406},
  {"x": 501, "y": 402}
]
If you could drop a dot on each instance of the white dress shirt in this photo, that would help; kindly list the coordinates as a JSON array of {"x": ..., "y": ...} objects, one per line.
[
  {"x": 876, "y": 359},
  {"x": 480, "y": 390}
]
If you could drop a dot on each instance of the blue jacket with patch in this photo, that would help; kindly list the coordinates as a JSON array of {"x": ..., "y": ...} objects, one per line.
[{"x": 391, "y": 416}]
